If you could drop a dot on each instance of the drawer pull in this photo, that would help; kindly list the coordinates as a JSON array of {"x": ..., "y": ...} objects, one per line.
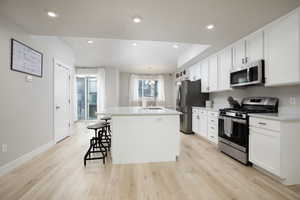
[
  {"x": 212, "y": 127},
  {"x": 262, "y": 123},
  {"x": 212, "y": 136}
]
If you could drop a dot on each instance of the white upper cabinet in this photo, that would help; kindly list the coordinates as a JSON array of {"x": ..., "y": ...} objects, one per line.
[
  {"x": 282, "y": 51},
  {"x": 213, "y": 73},
  {"x": 224, "y": 67},
  {"x": 255, "y": 47},
  {"x": 248, "y": 49},
  {"x": 197, "y": 71},
  {"x": 204, "y": 75},
  {"x": 194, "y": 72},
  {"x": 239, "y": 53}
]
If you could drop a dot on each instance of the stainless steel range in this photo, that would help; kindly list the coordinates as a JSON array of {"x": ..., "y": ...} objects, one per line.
[{"x": 234, "y": 125}]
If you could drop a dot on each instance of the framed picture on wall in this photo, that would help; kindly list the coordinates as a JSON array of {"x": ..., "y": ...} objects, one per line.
[{"x": 25, "y": 59}]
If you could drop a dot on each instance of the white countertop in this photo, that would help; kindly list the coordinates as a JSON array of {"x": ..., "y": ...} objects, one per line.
[
  {"x": 128, "y": 111},
  {"x": 278, "y": 116}
]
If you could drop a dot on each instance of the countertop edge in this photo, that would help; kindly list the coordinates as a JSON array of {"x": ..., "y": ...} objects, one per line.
[
  {"x": 277, "y": 118},
  {"x": 144, "y": 114}
]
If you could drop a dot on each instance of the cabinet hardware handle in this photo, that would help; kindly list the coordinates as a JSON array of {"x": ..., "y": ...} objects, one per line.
[{"x": 262, "y": 123}]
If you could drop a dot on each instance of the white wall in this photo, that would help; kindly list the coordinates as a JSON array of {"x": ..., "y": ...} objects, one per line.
[
  {"x": 112, "y": 86},
  {"x": 124, "y": 89},
  {"x": 283, "y": 93},
  {"x": 26, "y": 117}
]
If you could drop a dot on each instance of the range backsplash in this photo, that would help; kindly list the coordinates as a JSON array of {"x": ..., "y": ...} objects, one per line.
[{"x": 283, "y": 93}]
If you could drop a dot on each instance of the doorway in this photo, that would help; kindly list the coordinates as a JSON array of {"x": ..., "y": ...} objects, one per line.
[
  {"x": 62, "y": 101},
  {"x": 86, "y": 97}
]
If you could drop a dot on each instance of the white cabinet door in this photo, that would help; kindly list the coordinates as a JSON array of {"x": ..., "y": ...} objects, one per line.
[
  {"x": 204, "y": 76},
  {"x": 195, "y": 121},
  {"x": 224, "y": 67},
  {"x": 264, "y": 149},
  {"x": 197, "y": 71},
  {"x": 213, "y": 73},
  {"x": 282, "y": 51},
  {"x": 239, "y": 53},
  {"x": 203, "y": 123},
  {"x": 255, "y": 47},
  {"x": 190, "y": 73}
]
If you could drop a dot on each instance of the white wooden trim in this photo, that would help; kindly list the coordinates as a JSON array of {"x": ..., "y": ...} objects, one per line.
[{"x": 25, "y": 158}]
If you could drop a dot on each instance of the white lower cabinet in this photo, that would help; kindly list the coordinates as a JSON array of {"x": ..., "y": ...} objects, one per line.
[
  {"x": 205, "y": 124},
  {"x": 274, "y": 147},
  {"x": 195, "y": 121},
  {"x": 265, "y": 149}
]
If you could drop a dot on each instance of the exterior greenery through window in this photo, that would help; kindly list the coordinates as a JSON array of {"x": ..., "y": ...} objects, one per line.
[{"x": 148, "y": 88}]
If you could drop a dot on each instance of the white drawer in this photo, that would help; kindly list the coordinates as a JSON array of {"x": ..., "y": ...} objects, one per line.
[
  {"x": 265, "y": 124},
  {"x": 202, "y": 112},
  {"x": 213, "y": 121},
  {"x": 212, "y": 134},
  {"x": 212, "y": 114},
  {"x": 212, "y": 128}
]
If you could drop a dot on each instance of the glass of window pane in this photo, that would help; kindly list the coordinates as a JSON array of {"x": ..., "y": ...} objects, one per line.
[
  {"x": 92, "y": 98},
  {"x": 80, "y": 98}
]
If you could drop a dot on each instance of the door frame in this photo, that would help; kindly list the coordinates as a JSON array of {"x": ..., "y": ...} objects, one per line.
[{"x": 61, "y": 64}]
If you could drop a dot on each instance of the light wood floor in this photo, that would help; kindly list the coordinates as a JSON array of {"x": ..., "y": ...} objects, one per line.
[{"x": 201, "y": 173}]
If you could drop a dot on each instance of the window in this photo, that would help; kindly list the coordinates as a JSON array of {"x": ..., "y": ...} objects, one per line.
[
  {"x": 86, "y": 97},
  {"x": 148, "y": 88}
]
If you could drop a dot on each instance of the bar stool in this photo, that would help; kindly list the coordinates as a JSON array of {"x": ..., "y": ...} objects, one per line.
[
  {"x": 96, "y": 143},
  {"x": 107, "y": 136}
]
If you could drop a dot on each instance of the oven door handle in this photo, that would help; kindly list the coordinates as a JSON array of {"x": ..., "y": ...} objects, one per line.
[{"x": 240, "y": 121}]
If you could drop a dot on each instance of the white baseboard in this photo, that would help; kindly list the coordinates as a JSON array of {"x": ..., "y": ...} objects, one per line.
[{"x": 21, "y": 160}]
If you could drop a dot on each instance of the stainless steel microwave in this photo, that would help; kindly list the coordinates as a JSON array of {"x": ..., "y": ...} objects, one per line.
[{"x": 252, "y": 74}]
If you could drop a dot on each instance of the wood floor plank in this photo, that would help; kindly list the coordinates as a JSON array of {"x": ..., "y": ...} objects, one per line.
[{"x": 202, "y": 172}]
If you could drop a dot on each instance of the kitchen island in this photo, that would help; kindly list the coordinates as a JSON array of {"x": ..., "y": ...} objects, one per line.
[{"x": 144, "y": 135}]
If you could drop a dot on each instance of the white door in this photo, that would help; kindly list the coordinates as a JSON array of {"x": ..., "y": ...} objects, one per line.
[
  {"x": 282, "y": 51},
  {"x": 225, "y": 65},
  {"x": 204, "y": 76},
  {"x": 203, "y": 123},
  {"x": 61, "y": 101},
  {"x": 239, "y": 54},
  {"x": 213, "y": 73},
  {"x": 255, "y": 47},
  {"x": 264, "y": 149},
  {"x": 195, "y": 121}
]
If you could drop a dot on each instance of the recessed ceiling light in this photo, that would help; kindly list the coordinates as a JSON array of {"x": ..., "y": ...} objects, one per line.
[
  {"x": 52, "y": 14},
  {"x": 137, "y": 19},
  {"x": 90, "y": 41},
  {"x": 175, "y": 46},
  {"x": 210, "y": 26},
  {"x": 134, "y": 44}
]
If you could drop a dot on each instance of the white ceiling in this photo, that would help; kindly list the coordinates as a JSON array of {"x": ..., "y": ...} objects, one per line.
[
  {"x": 145, "y": 57},
  {"x": 181, "y": 21}
]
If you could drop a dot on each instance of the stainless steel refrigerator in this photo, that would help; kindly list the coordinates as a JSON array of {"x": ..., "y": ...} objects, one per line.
[{"x": 188, "y": 95}]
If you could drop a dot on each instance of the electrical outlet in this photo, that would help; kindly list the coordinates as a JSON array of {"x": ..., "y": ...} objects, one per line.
[
  {"x": 4, "y": 148},
  {"x": 293, "y": 100}
]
